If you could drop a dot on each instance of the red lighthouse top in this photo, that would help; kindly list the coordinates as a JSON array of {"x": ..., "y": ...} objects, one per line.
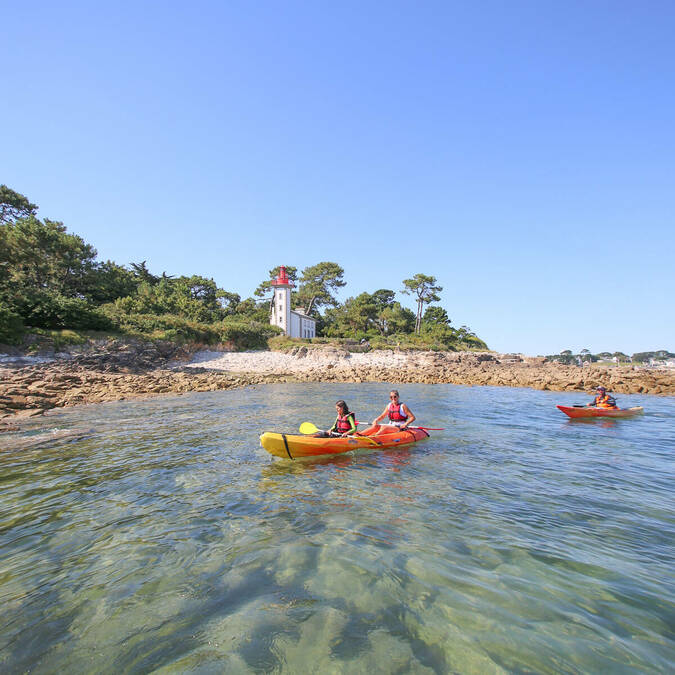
[{"x": 282, "y": 278}]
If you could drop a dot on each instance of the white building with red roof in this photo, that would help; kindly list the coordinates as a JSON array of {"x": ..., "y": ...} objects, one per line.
[{"x": 294, "y": 322}]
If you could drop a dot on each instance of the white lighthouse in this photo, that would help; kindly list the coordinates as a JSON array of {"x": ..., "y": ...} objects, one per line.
[{"x": 294, "y": 323}]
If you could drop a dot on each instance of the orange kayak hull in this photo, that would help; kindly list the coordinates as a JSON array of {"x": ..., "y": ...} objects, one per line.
[
  {"x": 576, "y": 413},
  {"x": 291, "y": 446}
]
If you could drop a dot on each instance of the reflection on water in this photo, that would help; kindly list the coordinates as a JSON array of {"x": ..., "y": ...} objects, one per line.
[{"x": 159, "y": 536}]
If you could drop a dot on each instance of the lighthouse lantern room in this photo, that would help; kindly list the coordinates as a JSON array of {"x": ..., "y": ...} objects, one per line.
[{"x": 294, "y": 323}]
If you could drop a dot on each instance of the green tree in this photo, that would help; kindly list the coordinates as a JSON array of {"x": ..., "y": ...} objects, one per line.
[
  {"x": 230, "y": 302},
  {"x": 253, "y": 310},
  {"x": 46, "y": 274},
  {"x": 425, "y": 290},
  {"x": 14, "y": 206},
  {"x": 195, "y": 298},
  {"x": 384, "y": 298},
  {"x": 317, "y": 285},
  {"x": 435, "y": 316},
  {"x": 142, "y": 273},
  {"x": 107, "y": 281},
  {"x": 384, "y": 301},
  {"x": 359, "y": 314},
  {"x": 396, "y": 319},
  {"x": 11, "y": 325},
  {"x": 44, "y": 255},
  {"x": 469, "y": 339}
]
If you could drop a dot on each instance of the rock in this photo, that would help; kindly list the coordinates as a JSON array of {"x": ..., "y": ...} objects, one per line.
[
  {"x": 130, "y": 370},
  {"x": 33, "y": 412}
]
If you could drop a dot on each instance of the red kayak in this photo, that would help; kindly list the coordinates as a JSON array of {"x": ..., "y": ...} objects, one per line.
[{"x": 587, "y": 411}]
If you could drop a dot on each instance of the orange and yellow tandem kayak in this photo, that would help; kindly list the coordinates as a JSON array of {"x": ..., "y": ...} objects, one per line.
[
  {"x": 576, "y": 411},
  {"x": 291, "y": 446}
]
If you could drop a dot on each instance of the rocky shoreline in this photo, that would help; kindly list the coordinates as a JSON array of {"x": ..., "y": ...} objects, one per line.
[{"x": 118, "y": 370}]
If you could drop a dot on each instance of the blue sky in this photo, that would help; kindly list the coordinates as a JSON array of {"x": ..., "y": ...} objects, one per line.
[{"x": 523, "y": 153}]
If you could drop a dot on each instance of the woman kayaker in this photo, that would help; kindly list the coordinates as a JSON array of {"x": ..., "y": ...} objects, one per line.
[
  {"x": 345, "y": 424},
  {"x": 399, "y": 414},
  {"x": 603, "y": 400}
]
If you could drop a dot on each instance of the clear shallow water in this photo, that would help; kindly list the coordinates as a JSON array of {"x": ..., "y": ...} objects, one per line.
[{"x": 158, "y": 536}]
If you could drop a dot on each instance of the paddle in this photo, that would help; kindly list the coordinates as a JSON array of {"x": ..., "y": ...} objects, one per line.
[
  {"x": 416, "y": 427},
  {"x": 410, "y": 427},
  {"x": 309, "y": 428}
]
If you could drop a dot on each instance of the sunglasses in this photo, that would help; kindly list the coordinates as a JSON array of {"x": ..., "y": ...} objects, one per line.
[{"x": 393, "y": 396}]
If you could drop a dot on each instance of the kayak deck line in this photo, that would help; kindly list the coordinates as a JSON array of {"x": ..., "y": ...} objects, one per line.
[{"x": 286, "y": 445}]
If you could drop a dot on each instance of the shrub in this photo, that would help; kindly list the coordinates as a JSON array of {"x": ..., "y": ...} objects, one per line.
[
  {"x": 240, "y": 334},
  {"x": 161, "y": 326},
  {"x": 246, "y": 334},
  {"x": 58, "y": 338},
  {"x": 11, "y": 326},
  {"x": 46, "y": 309}
]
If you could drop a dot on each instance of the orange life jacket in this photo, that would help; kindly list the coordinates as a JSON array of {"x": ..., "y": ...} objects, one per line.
[{"x": 604, "y": 401}]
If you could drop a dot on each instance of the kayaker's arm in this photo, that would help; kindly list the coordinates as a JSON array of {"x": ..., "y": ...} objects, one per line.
[
  {"x": 410, "y": 414},
  {"x": 352, "y": 426},
  {"x": 382, "y": 416},
  {"x": 334, "y": 427}
]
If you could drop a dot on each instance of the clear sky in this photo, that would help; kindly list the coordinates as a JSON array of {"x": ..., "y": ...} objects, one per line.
[{"x": 523, "y": 153}]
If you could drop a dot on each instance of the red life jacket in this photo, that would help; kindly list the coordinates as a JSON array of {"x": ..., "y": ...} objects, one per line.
[
  {"x": 342, "y": 425},
  {"x": 396, "y": 413}
]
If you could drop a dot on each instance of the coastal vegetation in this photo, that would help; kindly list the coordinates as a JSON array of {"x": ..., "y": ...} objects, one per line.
[
  {"x": 585, "y": 357},
  {"x": 53, "y": 287}
]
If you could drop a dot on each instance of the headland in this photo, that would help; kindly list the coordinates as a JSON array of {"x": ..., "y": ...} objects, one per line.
[{"x": 125, "y": 369}]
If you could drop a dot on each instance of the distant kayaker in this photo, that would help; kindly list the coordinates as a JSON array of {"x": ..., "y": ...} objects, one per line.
[
  {"x": 399, "y": 414},
  {"x": 603, "y": 400},
  {"x": 345, "y": 423}
]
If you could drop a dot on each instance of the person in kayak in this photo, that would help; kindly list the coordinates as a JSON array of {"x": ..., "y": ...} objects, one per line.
[
  {"x": 603, "y": 400},
  {"x": 399, "y": 414},
  {"x": 345, "y": 422}
]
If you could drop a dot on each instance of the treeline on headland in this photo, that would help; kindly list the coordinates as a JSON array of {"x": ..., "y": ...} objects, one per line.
[
  {"x": 51, "y": 279},
  {"x": 584, "y": 357}
]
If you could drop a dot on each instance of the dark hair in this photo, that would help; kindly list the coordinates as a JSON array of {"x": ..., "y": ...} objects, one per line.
[{"x": 343, "y": 405}]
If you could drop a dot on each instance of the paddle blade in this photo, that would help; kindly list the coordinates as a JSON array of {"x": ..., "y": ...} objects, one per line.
[{"x": 308, "y": 428}]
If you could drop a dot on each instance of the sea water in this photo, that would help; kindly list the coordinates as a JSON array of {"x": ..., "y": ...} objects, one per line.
[{"x": 158, "y": 536}]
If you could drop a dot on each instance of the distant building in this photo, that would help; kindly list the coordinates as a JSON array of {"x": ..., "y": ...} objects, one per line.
[
  {"x": 294, "y": 322},
  {"x": 662, "y": 363}
]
